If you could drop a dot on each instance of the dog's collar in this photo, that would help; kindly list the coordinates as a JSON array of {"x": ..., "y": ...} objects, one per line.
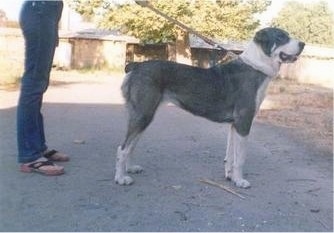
[{"x": 265, "y": 69}]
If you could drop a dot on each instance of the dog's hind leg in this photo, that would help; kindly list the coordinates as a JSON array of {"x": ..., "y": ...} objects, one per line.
[
  {"x": 136, "y": 126},
  {"x": 141, "y": 113},
  {"x": 129, "y": 167},
  {"x": 122, "y": 160}
]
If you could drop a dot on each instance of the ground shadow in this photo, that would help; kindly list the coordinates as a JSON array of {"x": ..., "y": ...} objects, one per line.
[{"x": 292, "y": 187}]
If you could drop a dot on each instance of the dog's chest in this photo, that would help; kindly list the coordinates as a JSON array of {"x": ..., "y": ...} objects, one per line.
[{"x": 261, "y": 93}]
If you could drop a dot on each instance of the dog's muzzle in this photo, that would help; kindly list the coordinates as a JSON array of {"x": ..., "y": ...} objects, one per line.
[{"x": 289, "y": 58}]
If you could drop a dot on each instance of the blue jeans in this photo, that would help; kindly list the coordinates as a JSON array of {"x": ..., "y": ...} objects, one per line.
[{"x": 39, "y": 23}]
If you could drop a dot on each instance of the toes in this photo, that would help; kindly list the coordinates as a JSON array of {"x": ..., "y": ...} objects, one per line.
[
  {"x": 124, "y": 180},
  {"x": 242, "y": 183}
]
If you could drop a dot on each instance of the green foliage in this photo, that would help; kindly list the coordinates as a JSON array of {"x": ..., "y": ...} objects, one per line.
[
  {"x": 312, "y": 23},
  {"x": 221, "y": 19},
  {"x": 86, "y": 8}
]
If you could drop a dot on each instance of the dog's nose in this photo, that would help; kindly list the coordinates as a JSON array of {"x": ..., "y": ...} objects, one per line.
[{"x": 301, "y": 45}]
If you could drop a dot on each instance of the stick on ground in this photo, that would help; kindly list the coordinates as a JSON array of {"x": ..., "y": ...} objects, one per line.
[{"x": 206, "y": 181}]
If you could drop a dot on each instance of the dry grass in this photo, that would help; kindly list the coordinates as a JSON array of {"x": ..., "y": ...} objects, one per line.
[
  {"x": 308, "y": 108},
  {"x": 10, "y": 71}
]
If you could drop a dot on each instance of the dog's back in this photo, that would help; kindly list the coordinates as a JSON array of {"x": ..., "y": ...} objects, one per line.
[{"x": 131, "y": 66}]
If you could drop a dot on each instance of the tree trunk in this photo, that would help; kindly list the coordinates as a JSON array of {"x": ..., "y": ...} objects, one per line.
[{"x": 183, "y": 54}]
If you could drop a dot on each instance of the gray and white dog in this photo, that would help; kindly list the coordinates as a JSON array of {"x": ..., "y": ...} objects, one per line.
[{"x": 230, "y": 93}]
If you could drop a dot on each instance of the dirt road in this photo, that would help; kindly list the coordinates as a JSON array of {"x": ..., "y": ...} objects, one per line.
[{"x": 289, "y": 166}]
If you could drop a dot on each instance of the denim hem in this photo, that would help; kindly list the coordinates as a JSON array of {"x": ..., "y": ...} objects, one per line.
[{"x": 29, "y": 159}]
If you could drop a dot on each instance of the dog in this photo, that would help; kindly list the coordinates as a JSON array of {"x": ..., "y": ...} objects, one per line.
[{"x": 225, "y": 93}]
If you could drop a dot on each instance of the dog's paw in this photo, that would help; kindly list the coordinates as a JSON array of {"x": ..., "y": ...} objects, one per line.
[
  {"x": 228, "y": 174},
  {"x": 228, "y": 170},
  {"x": 242, "y": 183},
  {"x": 134, "y": 169},
  {"x": 124, "y": 180}
]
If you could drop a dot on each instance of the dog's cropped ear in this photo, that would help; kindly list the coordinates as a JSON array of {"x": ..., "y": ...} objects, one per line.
[{"x": 265, "y": 39}]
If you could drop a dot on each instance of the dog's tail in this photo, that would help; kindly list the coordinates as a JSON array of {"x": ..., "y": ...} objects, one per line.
[
  {"x": 126, "y": 86},
  {"x": 131, "y": 66}
]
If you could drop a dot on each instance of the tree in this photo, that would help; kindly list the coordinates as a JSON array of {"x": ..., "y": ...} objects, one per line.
[
  {"x": 312, "y": 23},
  {"x": 221, "y": 19}
]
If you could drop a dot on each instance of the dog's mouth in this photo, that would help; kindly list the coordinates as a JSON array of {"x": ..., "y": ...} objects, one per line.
[{"x": 289, "y": 58}]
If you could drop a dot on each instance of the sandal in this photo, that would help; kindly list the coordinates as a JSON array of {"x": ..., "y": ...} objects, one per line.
[
  {"x": 56, "y": 156},
  {"x": 44, "y": 167}
]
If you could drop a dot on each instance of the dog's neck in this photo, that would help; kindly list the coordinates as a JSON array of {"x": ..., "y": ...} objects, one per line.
[{"x": 254, "y": 56}]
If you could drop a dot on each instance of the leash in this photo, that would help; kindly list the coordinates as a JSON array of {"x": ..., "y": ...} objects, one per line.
[{"x": 145, "y": 3}]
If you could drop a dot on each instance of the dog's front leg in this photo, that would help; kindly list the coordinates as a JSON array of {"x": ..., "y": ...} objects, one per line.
[
  {"x": 228, "y": 161},
  {"x": 239, "y": 156}
]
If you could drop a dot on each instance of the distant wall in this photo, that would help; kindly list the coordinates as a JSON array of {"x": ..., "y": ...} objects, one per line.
[
  {"x": 315, "y": 65},
  {"x": 12, "y": 46},
  {"x": 95, "y": 53},
  {"x": 90, "y": 53},
  {"x": 140, "y": 52}
]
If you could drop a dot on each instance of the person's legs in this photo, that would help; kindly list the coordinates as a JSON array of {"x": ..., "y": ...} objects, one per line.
[{"x": 39, "y": 23}]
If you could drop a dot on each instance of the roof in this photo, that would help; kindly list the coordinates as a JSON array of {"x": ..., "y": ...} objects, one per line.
[
  {"x": 112, "y": 35},
  {"x": 196, "y": 42}
]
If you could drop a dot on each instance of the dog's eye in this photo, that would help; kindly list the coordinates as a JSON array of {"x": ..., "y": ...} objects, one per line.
[{"x": 282, "y": 39}]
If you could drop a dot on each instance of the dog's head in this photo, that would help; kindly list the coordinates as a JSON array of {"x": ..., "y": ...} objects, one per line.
[
  {"x": 270, "y": 48},
  {"x": 278, "y": 45}
]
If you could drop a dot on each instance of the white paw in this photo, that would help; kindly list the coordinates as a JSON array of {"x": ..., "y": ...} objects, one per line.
[
  {"x": 134, "y": 169},
  {"x": 123, "y": 180},
  {"x": 241, "y": 183}
]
